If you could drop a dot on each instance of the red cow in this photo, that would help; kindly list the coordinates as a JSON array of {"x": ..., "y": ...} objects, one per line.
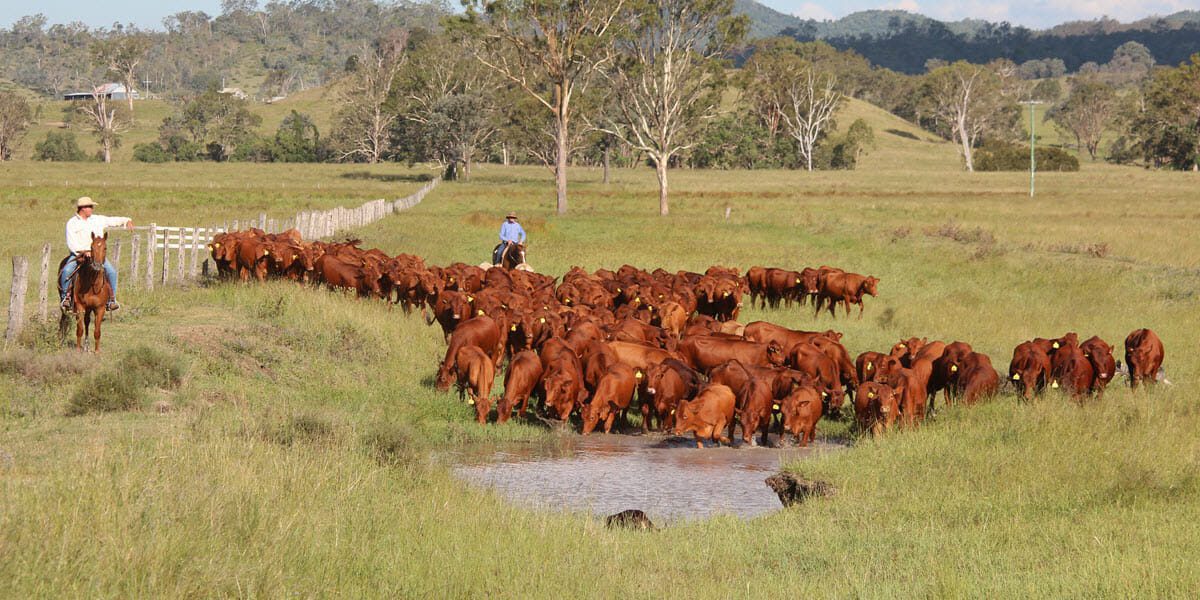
[
  {"x": 1099, "y": 353},
  {"x": 613, "y": 395},
  {"x": 705, "y": 353},
  {"x": 667, "y": 383},
  {"x": 1144, "y": 356},
  {"x": 707, "y": 415},
  {"x": 476, "y": 375},
  {"x": 801, "y": 411},
  {"x": 1029, "y": 369},
  {"x": 875, "y": 407},
  {"x": 481, "y": 332},
  {"x": 523, "y": 377}
]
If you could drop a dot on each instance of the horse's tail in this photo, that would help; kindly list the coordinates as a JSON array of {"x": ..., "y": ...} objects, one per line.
[{"x": 64, "y": 322}]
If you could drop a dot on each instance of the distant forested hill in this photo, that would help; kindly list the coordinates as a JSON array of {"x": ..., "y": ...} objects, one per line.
[{"x": 904, "y": 41}]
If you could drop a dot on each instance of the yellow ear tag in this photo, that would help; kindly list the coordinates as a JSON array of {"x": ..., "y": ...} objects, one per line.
[
  {"x": 513, "y": 328},
  {"x": 266, "y": 252},
  {"x": 953, "y": 368},
  {"x": 672, "y": 411},
  {"x": 542, "y": 320},
  {"x": 774, "y": 407},
  {"x": 471, "y": 401},
  {"x": 1016, "y": 376},
  {"x": 1054, "y": 345},
  {"x": 901, "y": 346},
  {"x": 797, "y": 281},
  {"x": 1054, "y": 385},
  {"x": 480, "y": 311},
  {"x": 470, "y": 298},
  {"x": 870, "y": 365},
  {"x": 618, "y": 290},
  {"x": 824, "y": 394},
  {"x": 295, "y": 256},
  {"x": 210, "y": 247},
  {"x": 871, "y": 394},
  {"x": 637, "y": 375}
]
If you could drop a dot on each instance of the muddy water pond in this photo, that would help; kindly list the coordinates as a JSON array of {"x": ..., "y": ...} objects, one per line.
[{"x": 668, "y": 478}]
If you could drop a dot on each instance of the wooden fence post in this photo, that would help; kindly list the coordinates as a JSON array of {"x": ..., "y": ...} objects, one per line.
[
  {"x": 116, "y": 258},
  {"x": 166, "y": 260},
  {"x": 151, "y": 240},
  {"x": 235, "y": 226},
  {"x": 16, "y": 301},
  {"x": 44, "y": 289},
  {"x": 180, "y": 258},
  {"x": 262, "y": 221},
  {"x": 195, "y": 252},
  {"x": 135, "y": 249}
]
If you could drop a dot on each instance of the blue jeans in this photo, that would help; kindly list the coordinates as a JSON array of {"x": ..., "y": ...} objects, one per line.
[{"x": 69, "y": 269}]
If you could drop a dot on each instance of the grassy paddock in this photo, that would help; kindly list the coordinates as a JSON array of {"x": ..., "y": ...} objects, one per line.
[
  {"x": 38, "y": 198},
  {"x": 290, "y": 456}
]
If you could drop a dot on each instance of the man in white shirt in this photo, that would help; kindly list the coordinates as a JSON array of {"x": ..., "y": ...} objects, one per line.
[{"x": 80, "y": 229}]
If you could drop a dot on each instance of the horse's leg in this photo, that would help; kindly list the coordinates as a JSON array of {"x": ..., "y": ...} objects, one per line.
[
  {"x": 81, "y": 323},
  {"x": 99, "y": 319}
]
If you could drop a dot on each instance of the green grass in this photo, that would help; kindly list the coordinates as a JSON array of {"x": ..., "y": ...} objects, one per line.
[
  {"x": 38, "y": 198},
  {"x": 295, "y": 455}
]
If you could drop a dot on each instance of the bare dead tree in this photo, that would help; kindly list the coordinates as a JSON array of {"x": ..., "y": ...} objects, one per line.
[
  {"x": 668, "y": 77},
  {"x": 808, "y": 105},
  {"x": 364, "y": 123},
  {"x": 549, "y": 49},
  {"x": 103, "y": 121}
]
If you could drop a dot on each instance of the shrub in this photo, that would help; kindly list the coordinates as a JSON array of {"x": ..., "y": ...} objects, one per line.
[
  {"x": 390, "y": 442},
  {"x": 123, "y": 385},
  {"x": 106, "y": 391},
  {"x": 150, "y": 153},
  {"x": 1001, "y": 156},
  {"x": 59, "y": 146},
  {"x": 291, "y": 429},
  {"x": 153, "y": 368}
]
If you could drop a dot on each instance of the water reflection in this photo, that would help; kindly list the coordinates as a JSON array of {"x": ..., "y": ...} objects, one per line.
[{"x": 668, "y": 478}]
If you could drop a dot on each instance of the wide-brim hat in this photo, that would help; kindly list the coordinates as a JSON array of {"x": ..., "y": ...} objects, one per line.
[
  {"x": 84, "y": 201},
  {"x": 510, "y": 215}
]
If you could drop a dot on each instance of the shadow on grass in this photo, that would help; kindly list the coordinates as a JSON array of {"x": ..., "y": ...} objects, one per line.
[
  {"x": 362, "y": 175},
  {"x": 903, "y": 134}
]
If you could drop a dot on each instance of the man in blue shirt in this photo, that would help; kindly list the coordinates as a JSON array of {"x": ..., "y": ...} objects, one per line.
[{"x": 511, "y": 232}]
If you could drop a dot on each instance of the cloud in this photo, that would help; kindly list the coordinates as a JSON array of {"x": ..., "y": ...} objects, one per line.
[
  {"x": 909, "y": 5},
  {"x": 810, "y": 10}
]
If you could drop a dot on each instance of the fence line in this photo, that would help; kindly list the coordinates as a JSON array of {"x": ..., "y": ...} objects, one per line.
[{"x": 176, "y": 246}]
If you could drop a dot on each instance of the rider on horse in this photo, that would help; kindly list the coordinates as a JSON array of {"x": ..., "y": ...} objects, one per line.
[
  {"x": 511, "y": 232},
  {"x": 80, "y": 230}
]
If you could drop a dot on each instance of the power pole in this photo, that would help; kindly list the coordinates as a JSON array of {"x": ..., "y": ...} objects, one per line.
[{"x": 1032, "y": 141}]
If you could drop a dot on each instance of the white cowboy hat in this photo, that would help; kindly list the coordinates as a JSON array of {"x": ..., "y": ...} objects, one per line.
[{"x": 84, "y": 201}]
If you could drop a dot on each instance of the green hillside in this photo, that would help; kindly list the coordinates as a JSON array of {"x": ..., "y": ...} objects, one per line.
[{"x": 149, "y": 114}]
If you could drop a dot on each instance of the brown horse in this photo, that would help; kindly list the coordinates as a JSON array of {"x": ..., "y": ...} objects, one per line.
[
  {"x": 89, "y": 293},
  {"x": 512, "y": 255}
]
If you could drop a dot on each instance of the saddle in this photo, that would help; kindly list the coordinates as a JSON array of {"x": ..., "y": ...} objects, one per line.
[{"x": 71, "y": 281}]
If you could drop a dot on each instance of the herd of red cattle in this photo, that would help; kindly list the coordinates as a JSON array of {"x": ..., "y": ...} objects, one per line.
[{"x": 587, "y": 346}]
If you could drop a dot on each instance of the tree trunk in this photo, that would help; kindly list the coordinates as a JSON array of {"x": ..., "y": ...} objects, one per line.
[
  {"x": 607, "y": 150},
  {"x": 107, "y": 146},
  {"x": 966, "y": 146},
  {"x": 560, "y": 165},
  {"x": 129, "y": 94},
  {"x": 660, "y": 168}
]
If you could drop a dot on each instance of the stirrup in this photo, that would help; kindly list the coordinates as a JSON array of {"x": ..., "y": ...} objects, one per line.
[
  {"x": 111, "y": 306},
  {"x": 66, "y": 305}
]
